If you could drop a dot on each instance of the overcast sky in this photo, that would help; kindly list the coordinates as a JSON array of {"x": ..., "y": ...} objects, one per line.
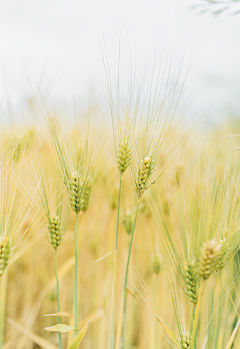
[{"x": 57, "y": 44}]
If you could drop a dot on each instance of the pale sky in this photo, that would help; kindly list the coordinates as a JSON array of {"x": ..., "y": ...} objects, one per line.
[{"x": 57, "y": 44}]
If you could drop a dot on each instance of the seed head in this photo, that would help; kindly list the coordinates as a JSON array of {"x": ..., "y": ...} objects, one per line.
[
  {"x": 208, "y": 258},
  {"x": 86, "y": 194},
  {"x": 55, "y": 231},
  {"x": 114, "y": 198},
  {"x": 128, "y": 221},
  {"x": 185, "y": 341},
  {"x": 223, "y": 255},
  {"x": 123, "y": 156},
  {"x": 5, "y": 252},
  {"x": 191, "y": 280},
  {"x": 75, "y": 187},
  {"x": 143, "y": 175},
  {"x": 156, "y": 263}
]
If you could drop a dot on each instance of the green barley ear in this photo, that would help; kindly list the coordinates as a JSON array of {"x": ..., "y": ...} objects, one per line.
[
  {"x": 191, "y": 280},
  {"x": 178, "y": 175},
  {"x": 144, "y": 173},
  {"x": 128, "y": 221},
  {"x": 185, "y": 341},
  {"x": 55, "y": 231},
  {"x": 123, "y": 156},
  {"x": 113, "y": 200},
  {"x": 86, "y": 194},
  {"x": 208, "y": 258},
  {"x": 223, "y": 255},
  {"x": 75, "y": 189},
  {"x": 156, "y": 263},
  {"x": 5, "y": 251}
]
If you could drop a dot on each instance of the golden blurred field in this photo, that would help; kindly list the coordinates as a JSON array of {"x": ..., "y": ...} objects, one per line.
[{"x": 195, "y": 200}]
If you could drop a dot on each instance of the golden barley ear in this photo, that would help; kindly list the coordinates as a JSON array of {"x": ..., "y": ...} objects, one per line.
[
  {"x": 123, "y": 156},
  {"x": 55, "y": 231},
  {"x": 156, "y": 263},
  {"x": 5, "y": 250},
  {"x": 143, "y": 175},
  {"x": 208, "y": 258},
  {"x": 191, "y": 280},
  {"x": 185, "y": 341}
]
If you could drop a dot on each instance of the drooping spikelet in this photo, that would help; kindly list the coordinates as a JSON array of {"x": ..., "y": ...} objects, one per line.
[
  {"x": 144, "y": 173},
  {"x": 5, "y": 250},
  {"x": 128, "y": 221},
  {"x": 185, "y": 341},
  {"x": 191, "y": 280},
  {"x": 86, "y": 194},
  {"x": 55, "y": 231},
  {"x": 75, "y": 187},
  {"x": 123, "y": 156},
  {"x": 208, "y": 258},
  {"x": 223, "y": 255},
  {"x": 156, "y": 263}
]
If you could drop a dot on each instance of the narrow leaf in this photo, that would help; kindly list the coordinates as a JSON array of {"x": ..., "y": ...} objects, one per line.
[
  {"x": 61, "y": 313},
  {"x": 60, "y": 328},
  {"x": 229, "y": 345},
  {"x": 78, "y": 339}
]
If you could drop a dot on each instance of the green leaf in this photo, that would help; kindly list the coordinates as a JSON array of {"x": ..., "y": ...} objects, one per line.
[
  {"x": 78, "y": 339},
  {"x": 60, "y": 328}
]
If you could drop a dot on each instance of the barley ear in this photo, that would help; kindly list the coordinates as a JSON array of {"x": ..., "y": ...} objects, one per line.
[
  {"x": 123, "y": 156},
  {"x": 5, "y": 251},
  {"x": 75, "y": 189},
  {"x": 55, "y": 231},
  {"x": 128, "y": 221},
  {"x": 185, "y": 341},
  {"x": 143, "y": 175},
  {"x": 208, "y": 258},
  {"x": 191, "y": 280},
  {"x": 156, "y": 263}
]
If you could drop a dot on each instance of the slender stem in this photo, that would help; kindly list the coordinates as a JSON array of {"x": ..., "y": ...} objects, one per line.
[
  {"x": 112, "y": 329},
  {"x": 76, "y": 276},
  {"x": 210, "y": 325},
  {"x": 125, "y": 279},
  {"x": 58, "y": 301},
  {"x": 3, "y": 303},
  {"x": 156, "y": 300}
]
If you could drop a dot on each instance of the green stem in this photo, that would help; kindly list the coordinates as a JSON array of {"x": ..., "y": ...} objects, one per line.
[
  {"x": 112, "y": 329},
  {"x": 156, "y": 300},
  {"x": 125, "y": 279},
  {"x": 3, "y": 303},
  {"x": 76, "y": 276},
  {"x": 210, "y": 325},
  {"x": 58, "y": 301}
]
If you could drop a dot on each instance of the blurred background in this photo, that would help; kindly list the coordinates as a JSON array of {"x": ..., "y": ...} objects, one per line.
[{"x": 58, "y": 46}]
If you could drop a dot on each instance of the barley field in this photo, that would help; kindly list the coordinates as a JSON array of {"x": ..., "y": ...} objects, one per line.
[{"x": 119, "y": 231}]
